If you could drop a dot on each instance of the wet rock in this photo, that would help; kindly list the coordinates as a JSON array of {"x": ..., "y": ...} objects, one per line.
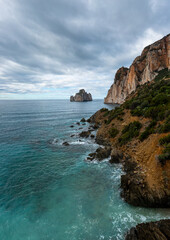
[
  {"x": 92, "y": 136},
  {"x": 83, "y": 120},
  {"x": 95, "y": 126},
  {"x": 80, "y": 128},
  {"x": 83, "y": 124},
  {"x": 100, "y": 154},
  {"x": 78, "y": 123},
  {"x": 72, "y": 135},
  {"x": 71, "y": 126},
  {"x": 66, "y": 144},
  {"x": 159, "y": 230},
  {"x": 116, "y": 156},
  {"x": 85, "y": 134}
]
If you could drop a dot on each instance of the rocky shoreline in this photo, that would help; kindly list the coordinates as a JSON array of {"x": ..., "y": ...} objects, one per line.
[
  {"x": 159, "y": 230},
  {"x": 134, "y": 187}
]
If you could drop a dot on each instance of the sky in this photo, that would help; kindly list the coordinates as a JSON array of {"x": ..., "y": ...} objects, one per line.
[{"x": 51, "y": 49}]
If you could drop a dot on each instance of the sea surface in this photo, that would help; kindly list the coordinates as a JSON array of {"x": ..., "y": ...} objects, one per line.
[{"x": 49, "y": 191}]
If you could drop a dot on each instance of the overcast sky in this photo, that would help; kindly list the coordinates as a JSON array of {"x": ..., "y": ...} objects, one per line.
[{"x": 52, "y": 48}]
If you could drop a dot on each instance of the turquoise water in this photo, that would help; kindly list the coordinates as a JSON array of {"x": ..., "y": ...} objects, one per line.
[{"x": 48, "y": 191}]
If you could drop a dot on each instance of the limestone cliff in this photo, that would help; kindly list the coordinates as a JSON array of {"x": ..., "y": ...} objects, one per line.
[
  {"x": 81, "y": 96},
  {"x": 154, "y": 58}
]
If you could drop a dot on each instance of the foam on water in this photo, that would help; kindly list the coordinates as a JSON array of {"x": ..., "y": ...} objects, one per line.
[{"x": 47, "y": 190}]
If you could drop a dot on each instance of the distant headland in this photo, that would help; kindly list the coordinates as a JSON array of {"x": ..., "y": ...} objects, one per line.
[{"x": 81, "y": 96}]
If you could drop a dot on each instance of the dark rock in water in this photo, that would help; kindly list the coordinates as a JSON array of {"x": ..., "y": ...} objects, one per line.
[
  {"x": 66, "y": 144},
  {"x": 95, "y": 126},
  {"x": 116, "y": 156},
  {"x": 100, "y": 154},
  {"x": 159, "y": 230},
  {"x": 78, "y": 123},
  {"x": 83, "y": 120},
  {"x": 72, "y": 135},
  {"x": 80, "y": 128},
  {"x": 85, "y": 134},
  {"x": 92, "y": 136},
  {"x": 83, "y": 124},
  {"x": 71, "y": 126},
  {"x": 81, "y": 96}
]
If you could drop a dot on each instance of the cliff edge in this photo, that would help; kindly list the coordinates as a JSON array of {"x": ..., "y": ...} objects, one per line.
[{"x": 144, "y": 68}]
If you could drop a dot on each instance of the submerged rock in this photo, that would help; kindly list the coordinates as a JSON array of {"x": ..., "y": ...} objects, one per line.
[
  {"x": 66, "y": 144},
  {"x": 159, "y": 230},
  {"x": 81, "y": 96}
]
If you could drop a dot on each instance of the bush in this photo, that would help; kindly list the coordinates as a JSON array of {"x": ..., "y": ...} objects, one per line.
[
  {"x": 164, "y": 157},
  {"x": 104, "y": 110},
  {"x": 149, "y": 130},
  {"x": 113, "y": 132},
  {"x": 130, "y": 131},
  {"x": 118, "y": 111},
  {"x": 165, "y": 140}
]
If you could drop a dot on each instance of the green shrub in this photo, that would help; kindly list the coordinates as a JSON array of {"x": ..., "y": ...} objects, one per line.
[
  {"x": 161, "y": 74},
  {"x": 164, "y": 157},
  {"x": 118, "y": 111},
  {"x": 104, "y": 110},
  {"x": 113, "y": 132},
  {"x": 165, "y": 140},
  {"x": 149, "y": 130},
  {"x": 130, "y": 131},
  {"x": 164, "y": 128}
]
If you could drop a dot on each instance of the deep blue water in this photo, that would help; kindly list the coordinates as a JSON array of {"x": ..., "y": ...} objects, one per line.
[{"x": 48, "y": 191}]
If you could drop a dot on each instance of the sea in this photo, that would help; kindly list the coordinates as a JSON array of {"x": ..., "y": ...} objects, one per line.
[{"x": 49, "y": 191}]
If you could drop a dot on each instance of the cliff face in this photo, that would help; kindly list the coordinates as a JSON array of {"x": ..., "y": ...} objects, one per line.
[
  {"x": 154, "y": 58},
  {"x": 81, "y": 96}
]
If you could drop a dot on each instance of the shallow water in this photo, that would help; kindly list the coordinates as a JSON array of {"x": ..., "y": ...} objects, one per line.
[{"x": 47, "y": 190}]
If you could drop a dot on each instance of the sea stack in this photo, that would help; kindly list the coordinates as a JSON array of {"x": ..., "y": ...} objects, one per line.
[
  {"x": 81, "y": 96},
  {"x": 144, "y": 68}
]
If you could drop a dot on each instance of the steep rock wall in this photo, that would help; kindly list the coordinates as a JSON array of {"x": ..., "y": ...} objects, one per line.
[{"x": 144, "y": 68}]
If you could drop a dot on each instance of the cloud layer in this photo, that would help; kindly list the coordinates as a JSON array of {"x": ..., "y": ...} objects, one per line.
[{"x": 50, "y": 49}]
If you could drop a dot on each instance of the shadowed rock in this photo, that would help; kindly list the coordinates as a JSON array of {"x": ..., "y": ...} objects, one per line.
[
  {"x": 81, "y": 96},
  {"x": 159, "y": 230}
]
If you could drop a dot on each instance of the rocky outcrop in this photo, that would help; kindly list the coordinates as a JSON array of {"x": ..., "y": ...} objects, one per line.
[
  {"x": 154, "y": 58},
  {"x": 159, "y": 230},
  {"x": 136, "y": 191},
  {"x": 81, "y": 96}
]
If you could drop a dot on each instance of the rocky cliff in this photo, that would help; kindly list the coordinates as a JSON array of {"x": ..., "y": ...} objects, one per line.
[
  {"x": 81, "y": 96},
  {"x": 154, "y": 58}
]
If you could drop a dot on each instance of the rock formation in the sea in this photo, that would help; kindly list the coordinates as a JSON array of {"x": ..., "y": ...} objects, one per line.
[
  {"x": 159, "y": 230},
  {"x": 154, "y": 58},
  {"x": 81, "y": 96}
]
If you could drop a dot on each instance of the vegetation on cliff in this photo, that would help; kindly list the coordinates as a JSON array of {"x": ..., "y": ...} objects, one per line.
[{"x": 139, "y": 129}]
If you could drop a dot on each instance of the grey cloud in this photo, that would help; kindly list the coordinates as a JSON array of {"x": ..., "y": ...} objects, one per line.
[{"x": 52, "y": 41}]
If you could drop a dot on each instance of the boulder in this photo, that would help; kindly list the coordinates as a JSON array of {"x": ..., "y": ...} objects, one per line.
[
  {"x": 116, "y": 156},
  {"x": 159, "y": 230},
  {"x": 66, "y": 144},
  {"x": 85, "y": 134}
]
